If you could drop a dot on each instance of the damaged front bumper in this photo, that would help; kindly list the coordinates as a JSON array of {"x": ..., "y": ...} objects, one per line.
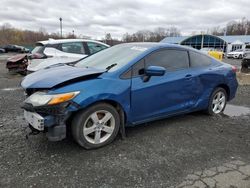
[{"x": 49, "y": 119}]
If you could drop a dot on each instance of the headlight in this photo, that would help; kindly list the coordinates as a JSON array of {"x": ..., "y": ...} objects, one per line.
[{"x": 41, "y": 98}]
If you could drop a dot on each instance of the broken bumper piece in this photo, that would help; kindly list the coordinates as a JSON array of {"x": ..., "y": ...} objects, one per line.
[{"x": 49, "y": 120}]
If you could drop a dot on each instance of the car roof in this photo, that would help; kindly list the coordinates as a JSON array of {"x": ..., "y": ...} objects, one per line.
[
  {"x": 58, "y": 41},
  {"x": 155, "y": 45}
]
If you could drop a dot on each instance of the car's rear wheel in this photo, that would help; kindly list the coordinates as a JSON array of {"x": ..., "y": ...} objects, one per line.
[
  {"x": 217, "y": 101},
  {"x": 240, "y": 56},
  {"x": 96, "y": 126}
]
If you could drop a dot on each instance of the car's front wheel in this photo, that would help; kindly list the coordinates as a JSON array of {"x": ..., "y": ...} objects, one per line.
[
  {"x": 217, "y": 101},
  {"x": 96, "y": 126}
]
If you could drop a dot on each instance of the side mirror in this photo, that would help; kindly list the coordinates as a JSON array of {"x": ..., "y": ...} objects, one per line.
[{"x": 155, "y": 71}]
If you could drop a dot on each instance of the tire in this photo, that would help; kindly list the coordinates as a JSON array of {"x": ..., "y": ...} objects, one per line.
[
  {"x": 240, "y": 56},
  {"x": 213, "y": 101},
  {"x": 91, "y": 130}
]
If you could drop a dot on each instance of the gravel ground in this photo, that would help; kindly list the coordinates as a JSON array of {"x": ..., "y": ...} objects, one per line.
[
  {"x": 193, "y": 150},
  {"x": 235, "y": 62}
]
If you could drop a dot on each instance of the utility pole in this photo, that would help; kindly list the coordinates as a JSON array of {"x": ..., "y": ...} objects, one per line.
[
  {"x": 202, "y": 39},
  {"x": 73, "y": 33},
  {"x": 61, "y": 25}
]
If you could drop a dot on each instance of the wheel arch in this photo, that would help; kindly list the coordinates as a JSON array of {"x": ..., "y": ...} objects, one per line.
[
  {"x": 116, "y": 105},
  {"x": 227, "y": 89},
  {"x": 120, "y": 109}
]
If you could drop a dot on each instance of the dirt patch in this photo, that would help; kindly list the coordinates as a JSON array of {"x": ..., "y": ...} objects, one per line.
[{"x": 243, "y": 78}]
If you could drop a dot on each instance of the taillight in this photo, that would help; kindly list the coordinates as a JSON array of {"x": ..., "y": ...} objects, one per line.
[{"x": 234, "y": 69}]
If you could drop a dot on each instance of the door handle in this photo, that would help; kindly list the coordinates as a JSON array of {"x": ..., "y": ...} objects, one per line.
[{"x": 188, "y": 76}]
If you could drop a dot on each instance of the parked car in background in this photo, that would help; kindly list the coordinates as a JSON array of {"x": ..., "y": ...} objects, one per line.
[
  {"x": 245, "y": 64},
  {"x": 15, "y": 48},
  {"x": 216, "y": 53},
  {"x": 50, "y": 52},
  {"x": 125, "y": 85},
  {"x": 237, "y": 54},
  {"x": 2, "y": 50}
]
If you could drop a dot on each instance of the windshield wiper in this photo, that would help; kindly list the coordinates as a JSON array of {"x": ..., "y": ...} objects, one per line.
[{"x": 111, "y": 66}]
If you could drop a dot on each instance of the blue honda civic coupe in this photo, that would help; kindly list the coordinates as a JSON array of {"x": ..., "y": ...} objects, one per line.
[{"x": 124, "y": 85}]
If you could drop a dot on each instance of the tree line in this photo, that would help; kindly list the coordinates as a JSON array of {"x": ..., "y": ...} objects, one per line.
[
  {"x": 143, "y": 36},
  {"x": 11, "y": 35},
  {"x": 241, "y": 27}
]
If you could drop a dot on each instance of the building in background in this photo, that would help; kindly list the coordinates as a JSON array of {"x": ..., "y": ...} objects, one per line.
[{"x": 225, "y": 43}]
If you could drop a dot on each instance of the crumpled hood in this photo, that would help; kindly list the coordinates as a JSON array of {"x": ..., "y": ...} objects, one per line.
[
  {"x": 53, "y": 76},
  {"x": 17, "y": 57}
]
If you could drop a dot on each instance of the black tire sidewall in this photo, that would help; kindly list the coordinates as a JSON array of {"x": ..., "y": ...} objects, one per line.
[
  {"x": 81, "y": 117},
  {"x": 210, "y": 105}
]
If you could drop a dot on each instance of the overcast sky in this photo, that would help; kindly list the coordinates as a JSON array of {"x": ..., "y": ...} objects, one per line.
[{"x": 96, "y": 17}]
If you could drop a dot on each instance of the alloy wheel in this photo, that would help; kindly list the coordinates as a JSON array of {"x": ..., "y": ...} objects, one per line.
[
  {"x": 219, "y": 102},
  {"x": 98, "y": 127}
]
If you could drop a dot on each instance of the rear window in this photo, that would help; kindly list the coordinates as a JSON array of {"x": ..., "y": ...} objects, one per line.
[
  {"x": 199, "y": 60},
  {"x": 95, "y": 47}
]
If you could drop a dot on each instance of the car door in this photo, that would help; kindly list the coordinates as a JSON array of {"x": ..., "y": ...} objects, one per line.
[{"x": 162, "y": 95}]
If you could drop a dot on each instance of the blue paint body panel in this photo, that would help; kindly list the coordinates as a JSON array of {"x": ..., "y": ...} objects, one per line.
[
  {"x": 178, "y": 92},
  {"x": 50, "y": 77}
]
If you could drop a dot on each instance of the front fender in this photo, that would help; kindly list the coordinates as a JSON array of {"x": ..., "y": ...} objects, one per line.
[
  {"x": 122, "y": 100},
  {"x": 99, "y": 89}
]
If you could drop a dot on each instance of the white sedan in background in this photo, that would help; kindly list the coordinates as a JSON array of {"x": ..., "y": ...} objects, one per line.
[
  {"x": 51, "y": 52},
  {"x": 237, "y": 54}
]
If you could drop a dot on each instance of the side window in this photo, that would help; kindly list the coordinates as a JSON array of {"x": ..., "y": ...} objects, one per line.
[
  {"x": 170, "y": 59},
  {"x": 56, "y": 46},
  {"x": 138, "y": 68},
  {"x": 73, "y": 47},
  {"x": 199, "y": 60},
  {"x": 95, "y": 47},
  {"x": 126, "y": 75}
]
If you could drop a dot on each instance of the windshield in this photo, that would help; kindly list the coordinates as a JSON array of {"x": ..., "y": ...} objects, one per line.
[
  {"x": 38, "y": 49},
  {"x": 112, "y": 58}
]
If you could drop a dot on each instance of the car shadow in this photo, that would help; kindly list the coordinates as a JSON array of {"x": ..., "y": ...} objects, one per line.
[{"x": 133, "y": 134}]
